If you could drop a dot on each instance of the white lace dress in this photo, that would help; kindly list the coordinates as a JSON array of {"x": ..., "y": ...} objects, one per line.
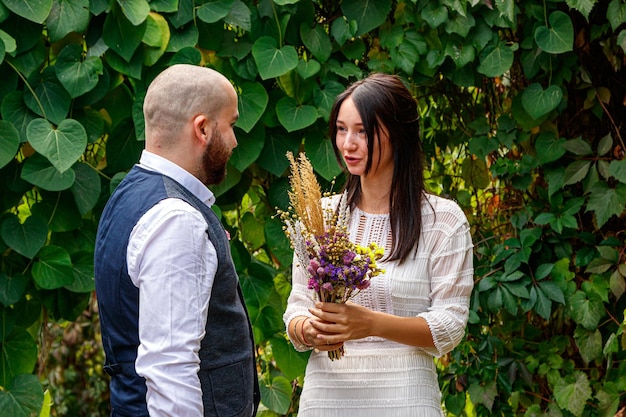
[{"x": 378, "y": 377}]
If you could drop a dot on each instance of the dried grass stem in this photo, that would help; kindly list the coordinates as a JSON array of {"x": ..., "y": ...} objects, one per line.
[{"x": 305, "y": 195}]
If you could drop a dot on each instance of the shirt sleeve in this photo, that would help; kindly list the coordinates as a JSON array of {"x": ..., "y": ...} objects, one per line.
[
  {"x": 173, "y": 263},
  {"x": 452, "y": 281}
]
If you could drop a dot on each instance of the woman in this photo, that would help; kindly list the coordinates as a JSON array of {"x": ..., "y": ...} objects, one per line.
[{"x": 418, "y": 308}]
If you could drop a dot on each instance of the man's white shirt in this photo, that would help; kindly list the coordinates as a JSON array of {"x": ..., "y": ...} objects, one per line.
[{"x": 173, "y": 263}]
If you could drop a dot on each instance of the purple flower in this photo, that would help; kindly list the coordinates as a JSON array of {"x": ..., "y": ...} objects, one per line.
[
  {"x": 363, "y": 285},
  {"x": 313, "y": 284},
  {"x": 314, "y": 264},
  {"x": 348, "y": 257}
]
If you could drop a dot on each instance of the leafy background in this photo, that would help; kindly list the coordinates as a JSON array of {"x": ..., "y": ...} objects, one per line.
[{"x": 522, "y": 107}]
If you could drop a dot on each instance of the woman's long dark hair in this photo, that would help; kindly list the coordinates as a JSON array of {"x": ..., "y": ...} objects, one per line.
[{"x": 384, "y": 102}]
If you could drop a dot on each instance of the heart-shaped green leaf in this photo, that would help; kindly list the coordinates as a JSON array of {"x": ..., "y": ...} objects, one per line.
[
  {"x": 156, "y": 38},
  {"x": 214, "y": 11},
  {"x": 461, "y": 54},
  {"x": 157, "y": 32},
  {"x": 340, "y": 30},
  {"x": 367, "y": 14},
  {"x": 325, "y": 97},
  {"x": 559, "y": 37},
  {"x": 83, "y": 273},
  {"x": 252, "y": 103},
  {"x": 62, "y": 146},
  {"x": 66, "y": 17},
  {"x": 616, "y": 14},
  {"x": 53, "y": 268},
  {"x": 123, "y": 148},
  {"x": 249, "y": 147},
  {"x": 273, "y": 157},
  {"x": 93, "y": 122},
  {"x": 34, "y": 10},
  {"x": 538, "y": 102},
  {"x": 19, "y": 356},
  {"x": 317, "y": 41},
  {"x": 40, "y": 172},
  {"x": 495, "y": 60},
  {"x": 51, "y": 100},
  {"x": 435, "y": 14},
  {"x": 276, "y": 394},
  {"x": 308, "y": 68},
  {"x": 271, "y": 61},
  {"x": 404, "y": 56},
  {"x": 122, "y": 36},
  {"x": 135, "y": 11},
  {"x": 14, "y": 110},
  {"x": 130, "y": 68},
  {"x": 76, "y": 75},
  {"x": 9, "y": 142},
  {"x": 549, "y": 147},
  {"x": 294, "y": 117},
  {"x": 391, "y": 36},
  {"x": 319, "y": 149},
  {"x": 187, "y": 55},
  {"x": 86, "y": 187},
  {"x": 460, "y": 24},
  {"x": 11, "y": 289},
  {"x": 10, "y": 44},
  {"x": 24, "y": 238},
  {"x": 279, "y": 245},
  {"x": 239, "y": 16}
]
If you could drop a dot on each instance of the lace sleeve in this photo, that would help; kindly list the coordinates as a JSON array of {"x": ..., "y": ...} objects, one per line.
[
  {"x": 299, "y": 301},
  {"x": 451, "y": 286}
]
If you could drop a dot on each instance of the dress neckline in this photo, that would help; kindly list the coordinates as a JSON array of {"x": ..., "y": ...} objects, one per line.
[{"x": 362, "y": 212}]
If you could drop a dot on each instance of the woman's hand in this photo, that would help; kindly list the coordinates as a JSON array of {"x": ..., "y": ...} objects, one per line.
[
  {"x": 337, "y": 323},
  {"x": 318, "y": 338}
]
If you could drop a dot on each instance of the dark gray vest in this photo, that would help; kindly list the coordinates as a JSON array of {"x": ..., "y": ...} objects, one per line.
[{"x": 227, "y": 367}]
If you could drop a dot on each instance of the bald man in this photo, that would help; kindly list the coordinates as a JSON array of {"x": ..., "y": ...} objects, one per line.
[{"x": 175, "y": 330}]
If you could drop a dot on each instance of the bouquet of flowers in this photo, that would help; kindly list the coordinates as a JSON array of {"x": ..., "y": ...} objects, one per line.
[{"x": 338, "y": 268}]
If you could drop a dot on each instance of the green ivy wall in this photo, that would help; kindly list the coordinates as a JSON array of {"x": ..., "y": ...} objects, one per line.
[{"x": 523, "y": 110}]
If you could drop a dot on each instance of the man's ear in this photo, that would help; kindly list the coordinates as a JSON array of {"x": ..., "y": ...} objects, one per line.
[{"x": 202, "y": 129}]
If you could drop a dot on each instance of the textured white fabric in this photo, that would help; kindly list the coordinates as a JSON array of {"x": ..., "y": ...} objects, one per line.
[
  {"x": 378, "y": 377},
  {"x": 173, "y": 263}
]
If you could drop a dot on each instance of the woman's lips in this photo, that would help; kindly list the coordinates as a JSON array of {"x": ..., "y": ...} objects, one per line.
[{"x": 351, "y": 160}]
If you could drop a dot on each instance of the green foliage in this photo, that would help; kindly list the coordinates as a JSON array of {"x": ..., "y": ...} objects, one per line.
[{"x": 522, "y": 110}]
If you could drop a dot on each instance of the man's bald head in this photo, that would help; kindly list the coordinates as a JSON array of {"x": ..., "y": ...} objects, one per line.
[{"x": 177, "y": 95}]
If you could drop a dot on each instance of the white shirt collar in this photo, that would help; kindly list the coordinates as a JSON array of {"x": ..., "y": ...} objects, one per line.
[{"x": 153, "y": 162}]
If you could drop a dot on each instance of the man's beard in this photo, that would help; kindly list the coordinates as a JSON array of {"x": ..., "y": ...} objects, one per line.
[{"x": 214, "y": 159}]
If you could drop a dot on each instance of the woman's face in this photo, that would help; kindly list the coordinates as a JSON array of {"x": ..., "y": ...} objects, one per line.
[{"x": 351, "y": 140}]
